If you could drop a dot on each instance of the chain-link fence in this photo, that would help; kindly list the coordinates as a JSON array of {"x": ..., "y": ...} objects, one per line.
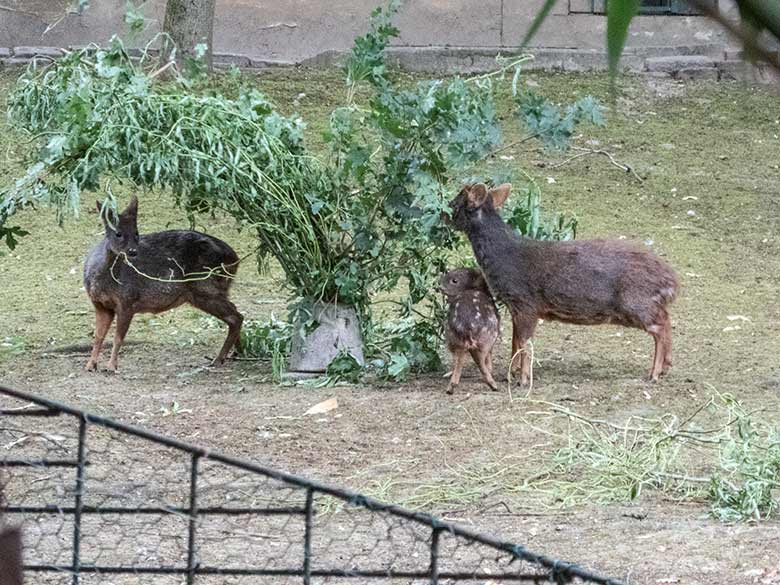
[{"x": 102, "y": 502}]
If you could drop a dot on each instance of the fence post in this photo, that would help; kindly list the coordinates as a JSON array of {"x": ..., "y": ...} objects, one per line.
[
  {"x": 11, "y": 557},
  {"x": 191, "y": 564},
  {"x": 307, "y": 537},
  {"x": 79, "y": 500},
  {"x": 435, "y": 556}
]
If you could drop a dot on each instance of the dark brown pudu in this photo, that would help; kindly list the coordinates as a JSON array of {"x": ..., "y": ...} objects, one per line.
[
  {"x": 583, "y": 282},
  {"x": 472, "y": 323},
  {"x": 127, "y": 274}
]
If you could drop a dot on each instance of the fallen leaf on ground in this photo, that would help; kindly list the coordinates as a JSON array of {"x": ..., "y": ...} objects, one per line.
[{"x": 324, "y": 406}]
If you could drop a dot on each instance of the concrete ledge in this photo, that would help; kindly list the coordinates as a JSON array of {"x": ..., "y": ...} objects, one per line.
[
  {"x": 710, "y": 73},
  {"x": 734, "y": 55},
  {"x": 329, "y": 58},
  {"x": 16, "y": 61},
  {"x": 733, "y": 70},
  {"x": 655, "y": 74},
  {"x": 707, "y": 61},
  {"x": 483, "y": 59},
  {"x": 678, "y": 63},
  {"x": 761, "y": 73},
  {"x": 30, "y": 52},
  {"x": 135, "y": 52},
  {"x": 228, "y": 60},
  {"x": 709, "y": 50},
  {"x": 270, "y": 63}
]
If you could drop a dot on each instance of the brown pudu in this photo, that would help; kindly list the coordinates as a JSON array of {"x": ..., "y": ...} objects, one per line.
[
  {"x": 582, "y": 282},
  {"x": 127, "y": 274},
  {"x": 472, "y": 323}
]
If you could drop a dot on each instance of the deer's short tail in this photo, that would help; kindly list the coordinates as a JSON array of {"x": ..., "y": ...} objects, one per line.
[
  {"x": 231, "y": 263},
  {"x": 670, "y": 286}
]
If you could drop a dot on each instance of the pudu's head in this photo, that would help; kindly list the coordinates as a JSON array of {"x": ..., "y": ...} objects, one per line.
[
  {"x": 455, "y": 282},
  {"x": 122, "y": 229},
  {"x": 475, "y": 201}
]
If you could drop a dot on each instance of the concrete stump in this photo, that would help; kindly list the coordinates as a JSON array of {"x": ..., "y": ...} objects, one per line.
[{"x": 337, "y": 328}]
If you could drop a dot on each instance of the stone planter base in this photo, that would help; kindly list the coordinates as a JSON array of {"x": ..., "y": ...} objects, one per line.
[{"x": 337, "y": 330}]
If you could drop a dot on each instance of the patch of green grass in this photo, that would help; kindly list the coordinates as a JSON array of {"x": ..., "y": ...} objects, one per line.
[{"x": 12, "y": 346}]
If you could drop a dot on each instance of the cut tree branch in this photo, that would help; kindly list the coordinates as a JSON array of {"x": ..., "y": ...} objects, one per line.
[
  {"x": 587, "y": 151},
  {"x": 279, "y": 25}
]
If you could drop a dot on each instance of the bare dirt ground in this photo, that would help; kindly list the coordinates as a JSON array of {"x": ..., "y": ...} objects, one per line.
[{"x": 712, "y": 149}]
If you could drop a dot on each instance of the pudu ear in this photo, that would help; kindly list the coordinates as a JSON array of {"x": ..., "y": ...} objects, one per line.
[
  {"x": 499, "y": 195},
  {"x": 477, "y": 195},
  {"x": 478, "y": 279},
  {"x": 132, "y": 208}
]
